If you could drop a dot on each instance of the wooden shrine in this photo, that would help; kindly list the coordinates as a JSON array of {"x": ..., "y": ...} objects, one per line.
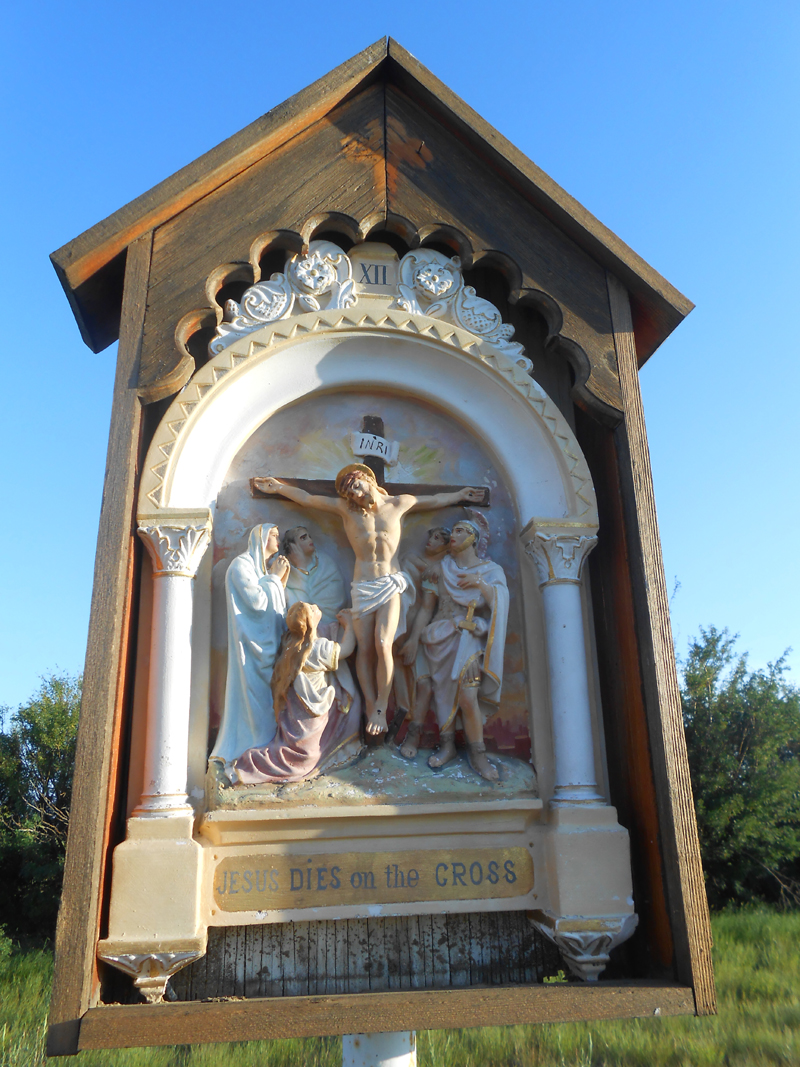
[{"x": 381, "y": 724}]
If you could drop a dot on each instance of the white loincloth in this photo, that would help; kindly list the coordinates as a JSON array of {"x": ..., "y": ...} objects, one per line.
[{"x": 370, "y": 594}]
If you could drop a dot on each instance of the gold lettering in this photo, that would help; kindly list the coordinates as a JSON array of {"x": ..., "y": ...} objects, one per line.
[{"x": 353, "y": 878}]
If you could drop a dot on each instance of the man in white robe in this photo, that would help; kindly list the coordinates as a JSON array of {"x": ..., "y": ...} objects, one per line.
[
  {"x": 315, "y": 578},
  {"x": 256, "y": 602},
  {"x": 465, "y": 642}
]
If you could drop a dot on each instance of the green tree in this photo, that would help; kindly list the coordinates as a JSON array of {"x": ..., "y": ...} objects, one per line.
[
  {"x": 743, "y": 737},
  {"x": 37, "y": 757}
]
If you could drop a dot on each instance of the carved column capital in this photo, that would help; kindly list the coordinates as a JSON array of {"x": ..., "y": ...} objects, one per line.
[
  {"x": 559, "y": 552},
  {"x": 176, "y": 541}
]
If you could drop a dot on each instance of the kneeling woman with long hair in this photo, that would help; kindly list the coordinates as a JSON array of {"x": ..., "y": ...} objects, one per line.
[{"x": 314, "y": 700}]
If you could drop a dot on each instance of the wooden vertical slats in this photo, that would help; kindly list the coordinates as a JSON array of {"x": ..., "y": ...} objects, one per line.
[
  {"x": 342, "y": 957},
  {"x": 380, "y": 954},
  {"x": 377, "y": 961},
  {"x": 440, "y": 950},
  {"x": 75, "y": 983},
  {"x": 686, "y": 889},
  {"x": 416, "y": 953}
]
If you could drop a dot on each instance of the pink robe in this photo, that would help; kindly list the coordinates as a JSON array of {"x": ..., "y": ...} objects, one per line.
[{"x": 318, "y": 727}]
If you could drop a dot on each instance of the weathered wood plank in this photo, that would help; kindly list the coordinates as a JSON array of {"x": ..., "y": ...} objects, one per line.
[
  {"x": 633, "y": 789},
  {"x": 337, "y": 165},
  {"x": 458, "y": 950},
  {"x": 440, "y": 950},
  {"x": 358, "y": 956},
  {"x": 377, "y": 963},
  {"x": 342, "y": 967},
  {"x": 686, "y": 889},
  {"x": 416, "y": 954},
  {"x": 272, "y": 955},
  {"x": 251, "y": 978},
  {"x": 446, "y": 183},
  {"x": 86, "y": 265},
  {"x": 377, "y": 955},
  {"x": 75, "y": 985},
  {"x": 392, "y": 942},
  {"x": 170, "y": 1024},
  {"x": 86, "y": 258},
  {"x": 663, "y": 307}
]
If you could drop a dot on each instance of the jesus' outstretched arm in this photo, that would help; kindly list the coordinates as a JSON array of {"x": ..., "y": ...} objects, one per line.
[
  {"x": 299, "y": 496},
  {"x": 446, "y": 500}
]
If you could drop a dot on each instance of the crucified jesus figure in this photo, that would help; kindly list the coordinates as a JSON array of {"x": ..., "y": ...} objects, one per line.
[{"x": 373, "y": 523}]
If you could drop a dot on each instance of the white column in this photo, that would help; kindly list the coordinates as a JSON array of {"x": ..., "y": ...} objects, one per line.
[
  {"x": 380, "y": 1050},
  {"x": 176, "y": 542},
  {"x": 559, "y": 558}
]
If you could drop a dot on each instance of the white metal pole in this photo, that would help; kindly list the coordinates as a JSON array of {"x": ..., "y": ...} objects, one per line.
[{"x": 380, "y": 1050}]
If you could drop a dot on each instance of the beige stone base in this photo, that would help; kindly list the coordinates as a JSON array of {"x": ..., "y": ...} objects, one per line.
[{"x": 568, "y": 868}]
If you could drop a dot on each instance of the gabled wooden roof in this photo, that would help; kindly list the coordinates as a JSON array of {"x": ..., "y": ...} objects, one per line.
[{"x": 91, "y": 267}]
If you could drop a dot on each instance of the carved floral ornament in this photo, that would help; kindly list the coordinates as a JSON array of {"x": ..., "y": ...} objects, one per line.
[
  {"x": 322, "y": 278},
  {"x": 586, "y": 943},
  {"x": 150, "y": 970}
]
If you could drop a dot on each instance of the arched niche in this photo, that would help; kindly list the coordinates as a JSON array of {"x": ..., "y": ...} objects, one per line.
[{"x": 408, "y": 355}]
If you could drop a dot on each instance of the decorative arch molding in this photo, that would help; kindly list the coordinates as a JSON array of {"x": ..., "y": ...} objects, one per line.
[{"x": 237, "y": 381}]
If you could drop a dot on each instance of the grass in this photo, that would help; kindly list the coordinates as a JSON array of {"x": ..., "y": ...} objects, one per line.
[{"x": 757, "y": 961}]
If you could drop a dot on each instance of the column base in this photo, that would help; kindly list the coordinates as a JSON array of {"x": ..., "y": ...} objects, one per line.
[
  {"x": 155, "y": 922},
  {"x": 163, "y": 805},
  {"x": 568, "y": 795},
  {"x": 588, "y": 908}
]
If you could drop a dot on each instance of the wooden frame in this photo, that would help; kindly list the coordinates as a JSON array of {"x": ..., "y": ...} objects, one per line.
[
  {"x": 629, "y": 591},
  {"x": 257, "y": 1020}
]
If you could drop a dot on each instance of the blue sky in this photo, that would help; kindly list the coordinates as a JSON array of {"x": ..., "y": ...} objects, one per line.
[{"x": 676, "y": 124}]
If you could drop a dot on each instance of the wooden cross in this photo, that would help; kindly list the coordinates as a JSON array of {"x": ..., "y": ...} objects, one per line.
[{"x": 372, "y": 424}]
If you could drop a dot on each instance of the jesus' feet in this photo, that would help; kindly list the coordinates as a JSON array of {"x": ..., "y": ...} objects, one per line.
[
  {"x": 476, "y": 752},
  {"x": 376, "y": 722},
  {"x": 445, "y": 752}
]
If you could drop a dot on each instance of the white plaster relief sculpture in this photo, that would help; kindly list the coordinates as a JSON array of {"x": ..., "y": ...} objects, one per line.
[
  {"x": 412, "y": 681},
  {"x": 256, "y": 603},
  {"x": 266, "y": 368},
  {"x": 373, "y": 525},
  {"x": 464, "y": 641},
  {"x": 176, "y": 548},
  {"x": 324, "y": 274},
  {"x": 314, "y": 576},
  {"x": 558, "y": 556},
  {"x": 431, "y": 284}
]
